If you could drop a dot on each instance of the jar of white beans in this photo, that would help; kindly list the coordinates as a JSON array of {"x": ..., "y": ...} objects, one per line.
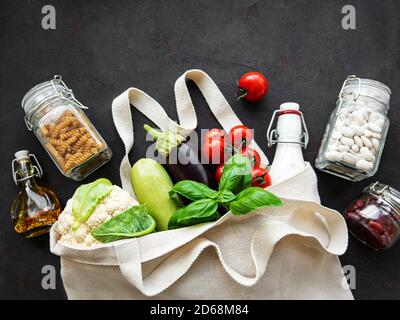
[{"x": 355, "y": 135}]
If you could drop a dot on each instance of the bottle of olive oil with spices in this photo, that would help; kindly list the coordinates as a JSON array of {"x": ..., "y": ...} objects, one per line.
[{"x": 35, "y": 208}]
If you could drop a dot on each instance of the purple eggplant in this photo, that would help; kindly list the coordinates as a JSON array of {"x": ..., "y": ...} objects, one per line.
[{"x": 174, "y": 148}]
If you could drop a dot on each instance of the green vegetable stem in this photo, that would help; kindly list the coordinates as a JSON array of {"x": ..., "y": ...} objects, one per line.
[
  {"x": 234, "y": 192},
  {"x": 165, "y": 141}
]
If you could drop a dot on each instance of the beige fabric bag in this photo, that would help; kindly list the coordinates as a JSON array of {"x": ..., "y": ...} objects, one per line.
[{"x": 288, "y": 252}]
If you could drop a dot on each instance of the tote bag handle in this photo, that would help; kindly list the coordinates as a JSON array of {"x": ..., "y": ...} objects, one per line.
[{"x": 219, "y": 106}]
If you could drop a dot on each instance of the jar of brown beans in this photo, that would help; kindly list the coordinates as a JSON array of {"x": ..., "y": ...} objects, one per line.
[{"x": 56, "y": 117}]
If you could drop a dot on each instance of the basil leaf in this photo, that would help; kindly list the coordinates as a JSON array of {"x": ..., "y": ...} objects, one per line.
[
  {"x": 87, "y": 197},
  {"x": 200, "y": 211},
  {"x": 192, "y": 190},
  {"x": 236, "y": 175},
  {"x": 133, "y": 222},
  {"x": 225, "y": 196},
  {"x": 253, "y": 198}
]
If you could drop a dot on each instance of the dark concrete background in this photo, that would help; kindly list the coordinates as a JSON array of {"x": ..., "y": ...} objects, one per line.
[{"x": 103, "y": 47}]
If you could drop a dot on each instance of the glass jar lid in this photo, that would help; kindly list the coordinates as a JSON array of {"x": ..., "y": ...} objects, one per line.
[
  {"x": 45, "y": 92},
  {"x": 354, "y": 87},
  {"x": 387, "y": 193}
]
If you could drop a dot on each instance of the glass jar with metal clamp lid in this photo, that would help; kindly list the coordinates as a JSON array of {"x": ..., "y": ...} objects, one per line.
[
  {"x": 35, "y": 208},
  {"x": 374, "y": 216},
  {"x": 56, "y": 117},
  {"x": 291, "y": 136},
  {"x": 354, "y": 137}
]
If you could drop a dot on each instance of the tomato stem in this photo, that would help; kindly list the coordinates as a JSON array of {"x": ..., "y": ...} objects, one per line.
[
  {"x": 243, "y": 93},
  {"x": 260, "y": 179}
]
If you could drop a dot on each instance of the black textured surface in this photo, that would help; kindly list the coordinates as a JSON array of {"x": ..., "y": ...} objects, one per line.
[{"x": 103, "y": 47}]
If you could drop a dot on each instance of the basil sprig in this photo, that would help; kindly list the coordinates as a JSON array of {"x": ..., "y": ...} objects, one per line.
[
  {"x": 234, "y": 192},
  {"x": 199, "y": 211},
  {"x": 225, "y": 196},
  {"x": 193, "y": 190},
  {"x": 236, "y": 175},
  {"x": 253, "y": 198}
]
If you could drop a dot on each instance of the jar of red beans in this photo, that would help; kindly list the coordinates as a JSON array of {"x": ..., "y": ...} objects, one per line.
[{"x": 374, "y": 217}]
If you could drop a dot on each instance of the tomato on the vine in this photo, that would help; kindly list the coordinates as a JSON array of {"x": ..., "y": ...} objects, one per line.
[
  {"x": 214, "y": 146},
  {"x": 218, "y": 172},
  {"x": 253, "y": 86},
  {"x": 253, "y": 155},
  {"x": 240, "y": 136},
  {"x": 214, "y": 133},
  {"x": 260, "y": 177}
]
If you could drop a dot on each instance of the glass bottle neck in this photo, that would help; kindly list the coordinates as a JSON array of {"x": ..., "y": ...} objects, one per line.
[
  {"x": 288, "y": 159},
  {"x": 30, "y": 183},
  {"x": 26, "y": 173}
]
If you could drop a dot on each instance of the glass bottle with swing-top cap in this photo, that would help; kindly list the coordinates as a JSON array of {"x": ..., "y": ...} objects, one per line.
[
  {"x": 56, "y": 117},
  {"x": 35, "y": 208},
  {"x": 291, "y": 136}
]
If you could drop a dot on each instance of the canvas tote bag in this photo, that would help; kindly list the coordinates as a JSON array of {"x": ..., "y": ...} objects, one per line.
[{"x": 288, "y": 252}]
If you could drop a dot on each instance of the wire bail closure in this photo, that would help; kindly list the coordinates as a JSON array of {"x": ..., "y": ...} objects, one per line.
[
  {"x": 355, "y": 95},
  {"x": 66, "y": 93},
  {"x": 27, "y": 123},
  {"x": 373, "y": 189},
  {"x": 273, "y": 137},
  {"x": 37, "y": 169},
  {"x": 388, "y": 194}
]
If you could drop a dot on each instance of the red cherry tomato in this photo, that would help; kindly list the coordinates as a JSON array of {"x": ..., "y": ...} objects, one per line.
[
  {"x": 218, "y": 172},
  {"x": 214, "y": 149},
  {"x": 214, "y": 133},
  {"x": 260, "y": 177},
  {"x": 240, "y": 136},
  {"x": 253, "y": 86},
  {"x": 253, "y": 155}
]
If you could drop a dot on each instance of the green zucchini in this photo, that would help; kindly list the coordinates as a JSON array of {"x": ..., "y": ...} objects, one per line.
[{"x": 152, "y": 185}]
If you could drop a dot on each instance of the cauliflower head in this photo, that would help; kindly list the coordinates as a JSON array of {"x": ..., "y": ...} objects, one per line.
[{"x": 116, "y": 202}]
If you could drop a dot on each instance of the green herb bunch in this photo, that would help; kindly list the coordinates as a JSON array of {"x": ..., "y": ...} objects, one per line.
[{"x": 234, "y": 193}]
